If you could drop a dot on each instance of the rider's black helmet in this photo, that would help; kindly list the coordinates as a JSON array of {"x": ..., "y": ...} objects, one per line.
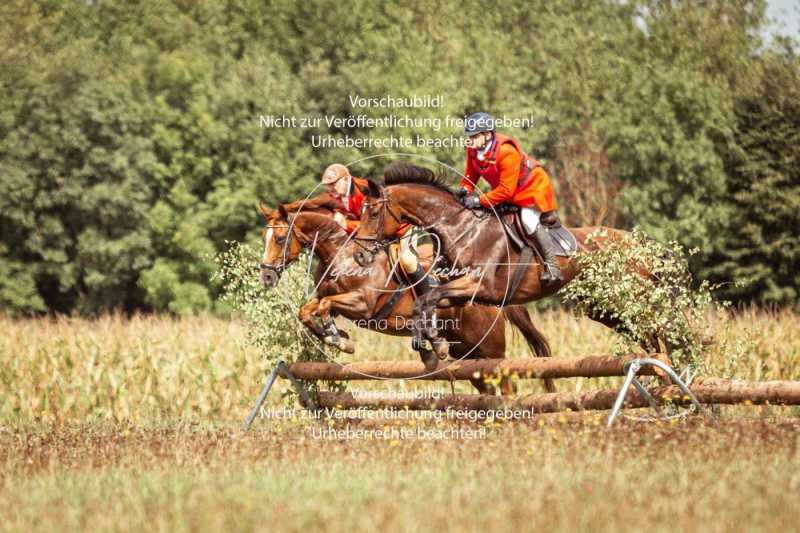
[{"x": 478, "y": 123}]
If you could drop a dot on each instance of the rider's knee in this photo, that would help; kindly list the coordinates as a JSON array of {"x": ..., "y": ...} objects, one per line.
[
  {"x": 530, "y": 218},
  {"x": 408, "y": 261}
]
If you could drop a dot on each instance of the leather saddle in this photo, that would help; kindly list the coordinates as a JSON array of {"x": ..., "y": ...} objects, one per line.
[{"x": 565, "y": 241}]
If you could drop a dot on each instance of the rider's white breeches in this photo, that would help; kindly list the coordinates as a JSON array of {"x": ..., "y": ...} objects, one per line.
[
  {"x": 408, "y": 244},
  {"x": 530, "y": 218}
]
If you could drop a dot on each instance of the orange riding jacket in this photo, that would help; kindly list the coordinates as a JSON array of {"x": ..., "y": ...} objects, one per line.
[{"x": 514, "y": 176}]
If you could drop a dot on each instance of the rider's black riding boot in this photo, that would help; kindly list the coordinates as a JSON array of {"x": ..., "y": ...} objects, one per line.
[
  {"x": 422, "y": 283},
  {"x": 547, "y": 247},
  {"x": 425, "y": 325}
]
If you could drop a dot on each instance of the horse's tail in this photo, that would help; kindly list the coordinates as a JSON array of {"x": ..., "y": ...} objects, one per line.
[{"x": 521, "y": 319}]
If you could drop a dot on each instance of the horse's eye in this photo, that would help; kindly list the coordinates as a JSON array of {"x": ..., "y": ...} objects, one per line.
[{"x": 280, "y": 240}]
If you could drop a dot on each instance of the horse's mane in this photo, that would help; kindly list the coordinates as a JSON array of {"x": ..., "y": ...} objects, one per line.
[
  {"x": 404, "y": 172},
  {"x": 327, "y": 222},
  {"x": 322, "y": 201},
  {"x": 328, "y": 226}
]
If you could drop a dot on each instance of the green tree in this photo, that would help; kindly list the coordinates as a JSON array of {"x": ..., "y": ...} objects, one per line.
[{"x": 762, "y": 250}]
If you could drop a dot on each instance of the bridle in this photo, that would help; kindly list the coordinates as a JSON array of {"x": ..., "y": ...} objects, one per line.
[
  {"x": 377, "y": 239},
  {"x": 371, "y": 245},
  {"x": 278, "y": 269}
]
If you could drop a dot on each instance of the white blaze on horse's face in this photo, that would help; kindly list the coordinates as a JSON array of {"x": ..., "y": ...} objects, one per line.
[{"x": 267, "y": 241}]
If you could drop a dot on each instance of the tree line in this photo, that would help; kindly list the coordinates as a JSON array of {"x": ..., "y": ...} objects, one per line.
[{"x": 131, "y": 149}]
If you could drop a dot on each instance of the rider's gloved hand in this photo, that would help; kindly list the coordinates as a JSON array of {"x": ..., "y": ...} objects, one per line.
[
  {"x": 471, "y": 202},
  {"x": 461, "y": 192}
]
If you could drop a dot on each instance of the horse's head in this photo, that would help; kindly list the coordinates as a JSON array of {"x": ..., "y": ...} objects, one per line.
[{"x": 282, "y": 244}]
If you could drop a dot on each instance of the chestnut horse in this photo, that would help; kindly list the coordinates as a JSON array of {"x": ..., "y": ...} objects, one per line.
[
  {"x": 359, "y": 294},
  {"x": 473, "y": 242}
]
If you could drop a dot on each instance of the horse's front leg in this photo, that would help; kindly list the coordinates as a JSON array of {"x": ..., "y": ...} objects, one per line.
[
  {"x": 425, "y": 327},
  {"x": 350, "y": 304},
  {"x": 306, "y": 317},
  {"x": 327, "y": 333}
]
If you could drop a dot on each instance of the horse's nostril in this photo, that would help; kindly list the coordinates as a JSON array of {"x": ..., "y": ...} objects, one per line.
[{"x": 268, "y": 279}]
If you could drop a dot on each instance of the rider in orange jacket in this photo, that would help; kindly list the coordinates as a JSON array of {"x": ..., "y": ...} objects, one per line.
[{"x": 515, "y": 178}]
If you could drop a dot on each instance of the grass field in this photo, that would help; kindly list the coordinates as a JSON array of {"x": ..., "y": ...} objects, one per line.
[{"x": 127, "y": 424}]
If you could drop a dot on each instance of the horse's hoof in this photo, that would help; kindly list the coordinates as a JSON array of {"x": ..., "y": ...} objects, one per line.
[
  {"x": 340, "y": 344},
  {"x": 441, "y": 347},
  {"x": 346, "y": 345},
  {"x": 429, "y": 359}
]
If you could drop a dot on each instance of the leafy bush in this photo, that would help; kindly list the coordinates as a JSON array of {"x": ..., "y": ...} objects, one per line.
[
  {"x": 663, "y": 305},
  {"x": 270, "y": 315}
]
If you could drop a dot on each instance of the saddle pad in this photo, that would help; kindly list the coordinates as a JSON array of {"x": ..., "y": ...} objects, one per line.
[
  {"x": 564, "y": 239},
  {"x": 566, "y": 243}
]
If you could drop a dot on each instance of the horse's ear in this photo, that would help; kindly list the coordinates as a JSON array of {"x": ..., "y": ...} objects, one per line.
[
  {"x": 265, "y": 211},
  {"x": 283, "y": 210},
  {"x": 373, "y": 189}
]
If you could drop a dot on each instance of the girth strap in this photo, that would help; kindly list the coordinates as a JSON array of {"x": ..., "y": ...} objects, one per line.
[
  {"x": 390, "y": 302},
  {"x": 524, "y": 262}
]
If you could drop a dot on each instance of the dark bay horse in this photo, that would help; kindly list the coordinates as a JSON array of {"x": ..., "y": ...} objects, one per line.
[
  {"x": 344, "y": 288},
  {"x": 474, "y": 243}
]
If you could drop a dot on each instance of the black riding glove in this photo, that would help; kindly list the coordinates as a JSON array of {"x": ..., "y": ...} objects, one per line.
[
  {"x": 461, "y": 193},
  {"x": 471, "y": 202}
]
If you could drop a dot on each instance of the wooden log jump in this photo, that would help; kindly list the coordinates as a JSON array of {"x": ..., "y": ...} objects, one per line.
[
  {"x": 551, "y": 367},
  {"x": 705, "y": 390},
  {"x": 708, "y": 391}
]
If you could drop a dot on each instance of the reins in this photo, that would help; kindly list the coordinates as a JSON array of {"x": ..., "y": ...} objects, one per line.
[{"x": 479, "y": 217}]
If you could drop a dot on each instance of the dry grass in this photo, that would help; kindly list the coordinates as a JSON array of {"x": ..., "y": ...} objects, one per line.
[
  {"x": 728, "y": 475},
  {"x": 131, "y": 424},
  {"x": 150, "y": 368}
]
